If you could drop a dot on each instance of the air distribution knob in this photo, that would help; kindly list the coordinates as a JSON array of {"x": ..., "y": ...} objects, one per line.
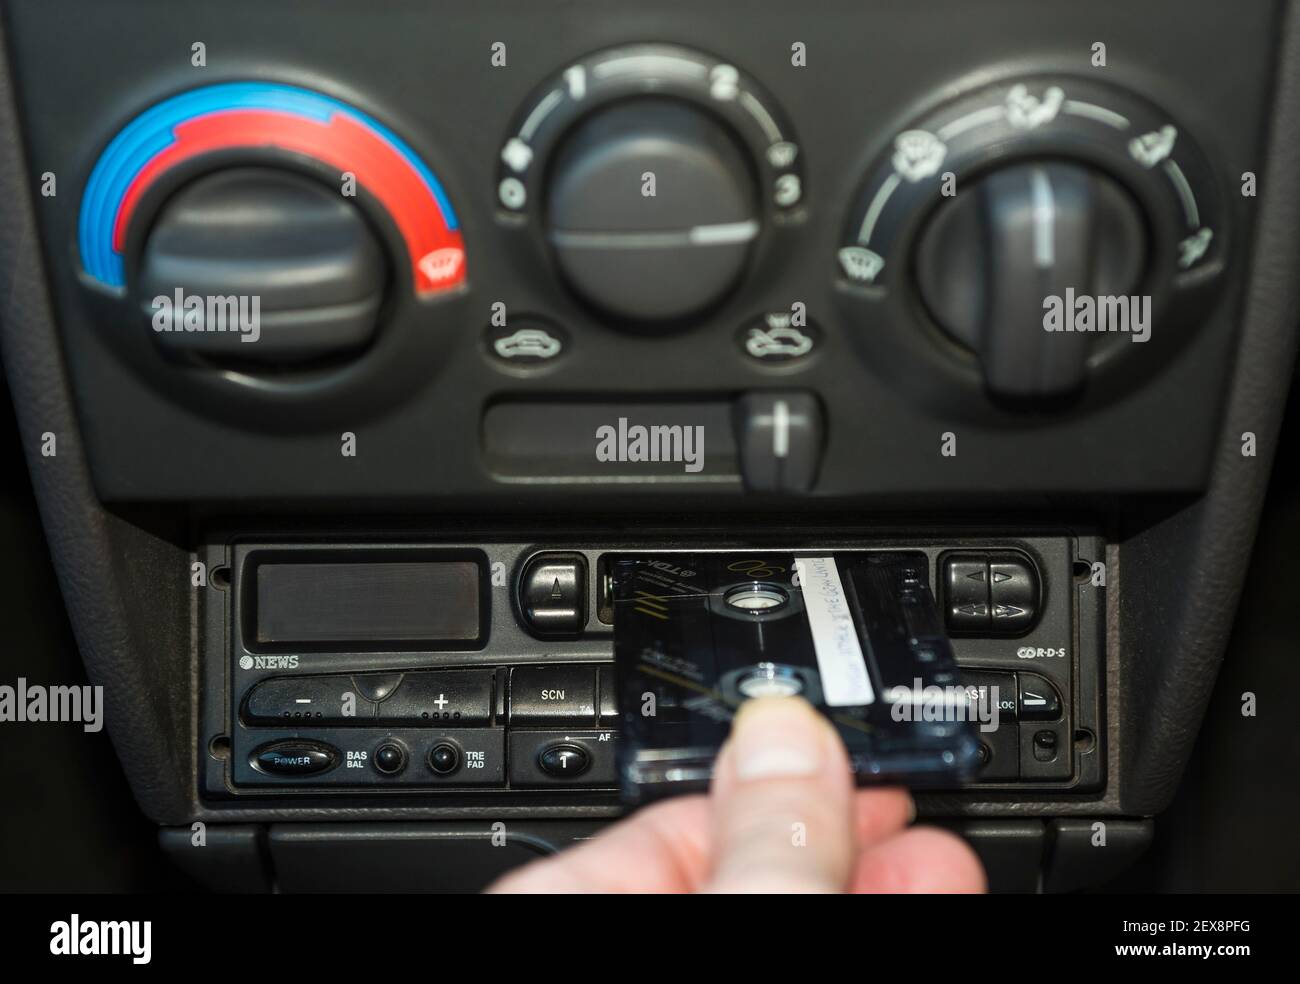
[
  {"x": 651, "y": 209},
  {"x": 1012, "y": 248}
]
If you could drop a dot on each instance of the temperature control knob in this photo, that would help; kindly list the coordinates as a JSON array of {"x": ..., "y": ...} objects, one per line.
[
  {"x": 300, "y": 249},
  {"x": 651, "y": 209},
  {"x": 993, "y": 258}
]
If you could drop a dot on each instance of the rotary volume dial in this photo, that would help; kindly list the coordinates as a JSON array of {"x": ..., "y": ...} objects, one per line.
[{"x": 650, "y": 172}]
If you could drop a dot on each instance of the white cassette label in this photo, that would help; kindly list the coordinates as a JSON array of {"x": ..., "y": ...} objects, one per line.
[{"x": 845, "y": 680}]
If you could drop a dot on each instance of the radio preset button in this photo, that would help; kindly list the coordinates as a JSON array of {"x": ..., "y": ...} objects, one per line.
[
  {"x": 564, "y": 761},
  {"x": 551, "y": 696},
  {"x": 568, "y": 757}
]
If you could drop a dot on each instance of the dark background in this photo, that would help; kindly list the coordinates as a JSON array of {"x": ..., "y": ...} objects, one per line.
[{"x": 69, "y": 823}]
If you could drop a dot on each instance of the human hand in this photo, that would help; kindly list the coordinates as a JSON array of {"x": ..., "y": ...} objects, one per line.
[{"x": 782, "y": 816}]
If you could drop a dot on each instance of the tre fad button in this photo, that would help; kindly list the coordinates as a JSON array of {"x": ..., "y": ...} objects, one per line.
[{"x": 444, "y": 758}]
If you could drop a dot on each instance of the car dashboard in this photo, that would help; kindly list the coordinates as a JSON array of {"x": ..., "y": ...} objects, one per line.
[{"x": 354, "y": 347}]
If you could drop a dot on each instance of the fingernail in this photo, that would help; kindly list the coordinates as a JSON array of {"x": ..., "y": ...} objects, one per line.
[{"x": 777, "y": 738}]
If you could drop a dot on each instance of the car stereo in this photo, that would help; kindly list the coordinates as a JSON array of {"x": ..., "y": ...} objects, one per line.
[{"x": 417, "y": 668}]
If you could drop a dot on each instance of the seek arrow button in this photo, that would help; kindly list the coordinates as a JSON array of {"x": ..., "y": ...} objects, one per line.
[
  {"x": 965, "y": 585},
  {"x": 1013, "y": 592}
]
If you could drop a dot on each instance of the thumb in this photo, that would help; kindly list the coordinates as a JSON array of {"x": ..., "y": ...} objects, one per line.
[{"x": 782, "y": 802}]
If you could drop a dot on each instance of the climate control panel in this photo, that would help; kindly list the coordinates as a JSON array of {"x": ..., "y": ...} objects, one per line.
[{"x": 972, "y": 260}]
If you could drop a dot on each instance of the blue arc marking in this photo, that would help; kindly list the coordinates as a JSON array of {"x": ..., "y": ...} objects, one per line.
[{"x": 153, "y": 131}]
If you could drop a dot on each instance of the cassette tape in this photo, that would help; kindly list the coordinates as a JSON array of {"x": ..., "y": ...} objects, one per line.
[{"x": 857, "y": 634}]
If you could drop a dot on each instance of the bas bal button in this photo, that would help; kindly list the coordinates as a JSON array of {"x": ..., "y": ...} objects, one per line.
[{"x": 390, "y": 758}]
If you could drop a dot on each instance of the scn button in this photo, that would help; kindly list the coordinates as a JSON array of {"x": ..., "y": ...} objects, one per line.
[{"x": 547, "y": 696}]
